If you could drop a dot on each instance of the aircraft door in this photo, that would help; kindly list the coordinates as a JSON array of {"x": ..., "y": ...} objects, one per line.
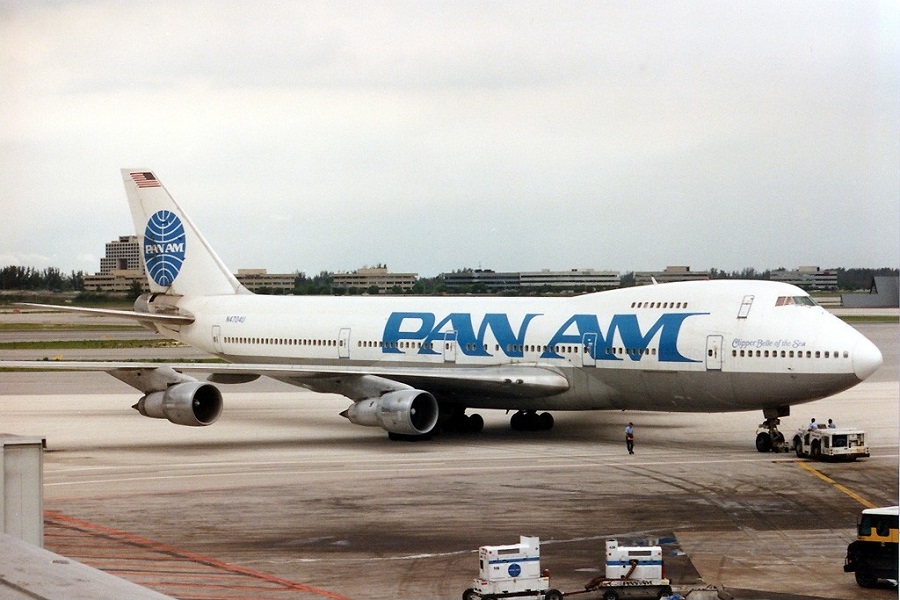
[
  {"x": 217, "y": 338},
  {"x": 450, "y": 346},
  {"x": 714, "y": 353},
  {"x": 589, "y": 350},
  {"x": 344, "y": 343}
]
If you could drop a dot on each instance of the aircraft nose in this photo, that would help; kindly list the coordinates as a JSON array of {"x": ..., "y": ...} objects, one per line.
[{"x": 866, "y": 358}]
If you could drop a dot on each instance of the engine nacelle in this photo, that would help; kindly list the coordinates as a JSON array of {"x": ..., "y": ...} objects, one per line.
[
  {"x": 408, "y": 412},
  {"x": 192, "y": 403}
]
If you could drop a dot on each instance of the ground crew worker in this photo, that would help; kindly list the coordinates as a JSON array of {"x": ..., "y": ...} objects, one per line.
[{"x": 629, "y": 437}]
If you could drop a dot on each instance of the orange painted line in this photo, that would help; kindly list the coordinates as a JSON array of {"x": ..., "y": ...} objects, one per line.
[{"x": 199, "y": 558}]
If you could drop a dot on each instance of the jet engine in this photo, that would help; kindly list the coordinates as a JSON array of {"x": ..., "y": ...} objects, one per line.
[
  {"x": 405, "y": 412},
  {"x": 192, "y": 403}
]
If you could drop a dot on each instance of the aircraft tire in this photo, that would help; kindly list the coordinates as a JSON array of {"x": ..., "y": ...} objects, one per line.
[
  {"x": 545, "y": 422},
  {"x": 475, "y": 423},
  {"x": 763, "y": 442},
  {"x": 404, "y": 437},
  {"x": 518, "y": 421}
]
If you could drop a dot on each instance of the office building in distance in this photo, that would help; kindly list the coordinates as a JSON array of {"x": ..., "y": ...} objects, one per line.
[
  {"x": 121, "y": 268},
  {"x": 375, "y": 277}
]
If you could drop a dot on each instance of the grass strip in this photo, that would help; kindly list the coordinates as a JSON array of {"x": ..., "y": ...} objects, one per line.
[
  {"x": 90, "y": 344},
  {"x": 869, "y": 319},
  {"x": 64, "y": 327}
]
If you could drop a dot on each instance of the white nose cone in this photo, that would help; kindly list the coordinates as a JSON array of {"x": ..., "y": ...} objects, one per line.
[{"x": 866, "y": 358}]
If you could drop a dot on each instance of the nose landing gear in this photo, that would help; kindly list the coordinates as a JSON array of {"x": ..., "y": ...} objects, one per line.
[{"x": 768, "y": 438}]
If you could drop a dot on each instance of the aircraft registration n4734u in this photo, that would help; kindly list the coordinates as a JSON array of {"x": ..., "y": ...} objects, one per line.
[{"x": 415, "y": 365}]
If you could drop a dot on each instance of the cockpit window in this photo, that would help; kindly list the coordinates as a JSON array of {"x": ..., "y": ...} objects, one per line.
[{"x": 795, "y": 301}]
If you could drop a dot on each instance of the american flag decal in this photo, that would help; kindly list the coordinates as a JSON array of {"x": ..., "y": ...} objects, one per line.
[{"x": 145, "y": 180}]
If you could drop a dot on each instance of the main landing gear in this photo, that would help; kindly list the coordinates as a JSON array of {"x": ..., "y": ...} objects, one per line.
[
  {"x": 457, "y": 421},
  {"x": 768, "y": 438},
  {"x": 530, "y": 420}
]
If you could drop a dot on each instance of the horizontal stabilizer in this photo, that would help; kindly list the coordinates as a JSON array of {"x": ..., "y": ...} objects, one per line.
[{"x": 126, "y": 314}]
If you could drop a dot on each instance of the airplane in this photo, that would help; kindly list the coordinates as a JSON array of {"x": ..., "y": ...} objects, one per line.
[{"x": 415, "y": 365}]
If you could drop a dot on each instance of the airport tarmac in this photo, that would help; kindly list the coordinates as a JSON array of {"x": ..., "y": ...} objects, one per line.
[{"x": 284, "y": 487}]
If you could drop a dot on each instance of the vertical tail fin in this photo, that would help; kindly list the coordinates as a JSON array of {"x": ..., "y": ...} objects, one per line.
[{"x": 177, "y": 257}]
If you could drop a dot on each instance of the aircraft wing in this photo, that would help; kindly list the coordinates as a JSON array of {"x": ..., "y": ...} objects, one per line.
[{"x": 355, "y": 382}]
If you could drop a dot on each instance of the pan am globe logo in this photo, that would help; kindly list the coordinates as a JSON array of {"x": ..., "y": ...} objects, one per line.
[{"x": 164, "y": 247}]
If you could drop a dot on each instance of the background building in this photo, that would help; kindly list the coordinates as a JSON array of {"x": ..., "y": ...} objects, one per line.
[
  {"x": 122, "y": 255},
  {"x": 570, "y": 280},
  {"x": 260, "y": 280},
  {"x": 480, "y": 280},
  {"x": 670, "y": 274},
  {"x": 808, "y": 278},
  {"x": 884, "y": 293},
  {"x": 121, "y": 268},
  {"x": 380, "y": 277}
]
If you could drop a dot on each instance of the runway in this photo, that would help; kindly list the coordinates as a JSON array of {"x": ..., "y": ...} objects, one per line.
[{"x": 284, "y": 487}]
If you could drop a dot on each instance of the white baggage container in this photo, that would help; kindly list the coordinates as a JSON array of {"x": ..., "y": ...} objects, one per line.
[
  {"x": 633, "y": 562},
  {"x": 515, "y": 561}
]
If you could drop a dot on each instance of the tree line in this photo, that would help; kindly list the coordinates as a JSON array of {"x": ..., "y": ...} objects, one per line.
[
  {"x": 847, "y": 279},
  {"x": 51, "y": 279}
]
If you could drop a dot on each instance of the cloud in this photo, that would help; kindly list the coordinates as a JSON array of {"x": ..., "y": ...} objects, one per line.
[{"x": 515, "y": 135}]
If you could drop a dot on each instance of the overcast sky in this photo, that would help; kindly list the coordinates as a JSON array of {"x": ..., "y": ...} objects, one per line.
[{"x": 433, "y": 136}]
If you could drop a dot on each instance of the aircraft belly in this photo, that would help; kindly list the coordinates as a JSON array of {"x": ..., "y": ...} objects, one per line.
[
  {"x": 622, "y": 389},
  {"x": 717, "y": 391}
]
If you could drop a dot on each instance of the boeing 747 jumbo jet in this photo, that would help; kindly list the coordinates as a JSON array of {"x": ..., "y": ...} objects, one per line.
[{"x": 415, "y": 365}]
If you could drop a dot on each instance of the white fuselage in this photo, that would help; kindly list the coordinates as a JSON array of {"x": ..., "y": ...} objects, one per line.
[{"x": 695, "y": 346}]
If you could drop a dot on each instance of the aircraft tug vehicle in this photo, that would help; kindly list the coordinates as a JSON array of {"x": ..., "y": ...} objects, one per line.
[{"x": 835, "y": 444}]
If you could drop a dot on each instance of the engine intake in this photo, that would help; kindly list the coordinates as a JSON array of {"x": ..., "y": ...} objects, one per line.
[
  {"x": 191, "y": 403},
  {"x": 407, "y": 412}
]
